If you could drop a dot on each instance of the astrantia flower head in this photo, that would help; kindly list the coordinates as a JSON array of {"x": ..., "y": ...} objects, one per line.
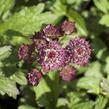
[
  {"x": 23, "y": 52},
  {"x": 68, "y": 73},
  {"x": 68, "y": 27},
  {"x": 81, "y": 51},
  {"x": 39, "y": 40},
  {"x": 51, "y": 31},
  {"x": 46, "y": 52},
  {"x": 68, "y": 53},
  {"x": 34, "y": 77},
  {"x": 52, "y": 57}
]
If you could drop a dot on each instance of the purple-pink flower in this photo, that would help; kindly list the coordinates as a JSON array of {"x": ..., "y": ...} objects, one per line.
[
  {"x": 52, "y": 57},
  {"x": 39, "y": 41},
  {"x": 68, "y": 73},
  {"x": 34, "y": 77},
  {"x": 68, "y": 27},
  {"x": 23, "y": 52},
  {"x": 51, "y": 31},
  {"x": 47, "y": 53},
  {"x": 81, "y": 51}
]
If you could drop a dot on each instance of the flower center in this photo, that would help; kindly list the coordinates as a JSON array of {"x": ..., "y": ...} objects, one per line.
[
  {"x": 79, "y": 51},
  {"x": 51, "y": 54}
]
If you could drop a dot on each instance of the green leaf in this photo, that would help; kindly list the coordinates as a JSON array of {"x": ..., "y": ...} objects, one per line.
[
  {"x": 94, "y": 69},
  {"x": 62, "y": 102},
  {"x": 41, "y": 89},
  {"x": 90, "y": 83},
  {"x": 79, "y": 21},
  {"x": 100, "y": 48},
  {"x": 101, "y": 102},
  {"x": 59, "y": 8},
  {"x": 43, "y": 92},
  {"x": 19, "y": 77},
  {"x": 105, "y": 20},
  {"x": 106, "y": 69},
  {"x": 26, "y": 107},
  {"x": 84, "y": 105},
  {"x": 79, "y": 100},
  {"x": 28, "y": 20},
  {"x": 7, "y": 86},
  {"x": 105, "y": 86},
  {"x": 75, "y": 98},
  {"x": 102, "y": 5},
  {"x": 5, "y": 52},
  {"x": 49, "y": 87},
  {"x": 65, "y": 39},
  {"x": 5, "y": 7}
]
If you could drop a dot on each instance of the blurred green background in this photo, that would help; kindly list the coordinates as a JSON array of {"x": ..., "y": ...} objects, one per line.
[{"x": 19, "y": 20}]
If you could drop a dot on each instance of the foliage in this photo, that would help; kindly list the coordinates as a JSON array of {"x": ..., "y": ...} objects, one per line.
[{"x": 20, "y": 19}]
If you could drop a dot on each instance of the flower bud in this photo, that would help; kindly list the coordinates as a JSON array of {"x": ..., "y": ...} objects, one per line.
[
  {"x": 68, "y": 27},
  {"x": 68, "y": 73},
  {"x": 34, "y": 77}
]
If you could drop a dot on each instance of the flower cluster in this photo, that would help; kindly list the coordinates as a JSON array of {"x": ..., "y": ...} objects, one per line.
[{"x": 47, "y": 50}]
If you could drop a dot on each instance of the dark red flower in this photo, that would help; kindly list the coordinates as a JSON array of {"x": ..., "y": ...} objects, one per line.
[
  {"x": 39, "y": 40},
  {"x": 68, "y": 27},
  {"x": 51, "y": 32},
  {"x": 81, "y": 51},
  {"x": 34, "y": 77},
  {"x": 26, "y": 53},
  {"x": 23, "y": 52},
  {"x": 68, "y": 73},
  {"x": 68, "y": 55},
  {"x": 52, "y": 57}
]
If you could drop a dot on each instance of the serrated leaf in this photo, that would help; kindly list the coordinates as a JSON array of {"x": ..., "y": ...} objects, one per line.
[
  {"x": 5, "y": 52},
  {"x": 29, "y": 20},
  {"x": 105, "y": 20},
  {"x": 79, "y": 22},
  {"x": 105, "y": 85},
  {"x": 94, "y": 69},
  {"x": 90, "y": 83},
  {"x": 79, "y": 100},
  {"x": 19, "y": 77},
  {"x": 75, "y": 98},
  {"x": 59, "y": 8},
  {"x": 102, "y": 5},
  {"x": 7, "y": 86},
  {"x": 101, "y": 102},
  {"x": 5, "y": 7}
]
